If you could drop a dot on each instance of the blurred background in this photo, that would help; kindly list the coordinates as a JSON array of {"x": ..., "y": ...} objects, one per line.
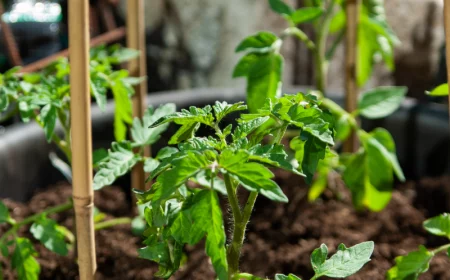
[{"x": 190, "y": 43}]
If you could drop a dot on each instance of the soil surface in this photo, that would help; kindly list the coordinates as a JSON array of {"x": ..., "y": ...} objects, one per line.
[{"x": 280, "y": 237}]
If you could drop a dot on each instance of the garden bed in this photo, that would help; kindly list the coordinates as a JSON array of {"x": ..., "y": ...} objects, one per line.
[{"x": 280, "y": 236}]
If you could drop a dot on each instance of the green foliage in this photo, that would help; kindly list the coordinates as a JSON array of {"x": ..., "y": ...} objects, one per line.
[
  {"x": 284, "y": 277},
  {"x": 51, "y": 235},
  {"x": 441, "y": 90},
  {"x": 4, "y": 214},
  {"x": 45, "y": 96},
  {"x": 417, "y": 262},
  {"x": 24, "y": 261},
  {"x": 411, "y": 265},
  {"x": 345, "y": 262},
  {"x": 439, "y": 225},
  {"x": 381, "y": 102}
]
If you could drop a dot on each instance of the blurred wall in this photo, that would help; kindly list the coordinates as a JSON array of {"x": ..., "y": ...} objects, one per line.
[{"x": 191, "y": 43}]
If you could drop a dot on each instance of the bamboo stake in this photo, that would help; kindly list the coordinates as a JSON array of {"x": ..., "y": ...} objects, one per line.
[
  {"x": 351, "y": 86},
  {"x": 138, "y": 68},
  {"x": 447, "y": 43},
  {"x": 10, "y": 42},
  {"x": 80, "y": 110}
]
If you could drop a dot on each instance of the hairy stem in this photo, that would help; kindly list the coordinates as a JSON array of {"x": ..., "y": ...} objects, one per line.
[
  {"x": 112, "y": 223},
  {"x": 31, "y": 219}
]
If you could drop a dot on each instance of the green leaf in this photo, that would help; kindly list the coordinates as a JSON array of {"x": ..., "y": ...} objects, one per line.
[
  {"x": 134, "y": 81},
  {"x": 284, "y": 277},
  {"x": 23, "y": 260},
  {"x": 309, "y": 151},
  {"x": 242, "y": 68},
  {"x": 366, "y": 50},
  {"x": 141, "y": 134},
  {"x": 246, "y": 127},
  {"x": 5, "y": 253},
  {"x": 4, "y": 100},
  {"x": 121, "y": 55},
  {"x": 166, "y": 253},
  {"x": 203, "y": 178},
  {"x": 207, "y": 217},
  {"x": 411, "y": 266},
  {"x": 4, "y": 214},
  {"x": 26, "y": 111},
  {"x": 319, "y": 256},
  {"x": 192, "y": 117},
  {"x": 343, "y": 127},
  {"x": 388, "y": 149},
  {"x": 280, "y": 7},
  {"x": 306, "y": 14},
  {"x": 439, "y": 225},
  {"x": 120, "y": 160},
  {"x": 98, "y": 156},
  {"x": 264, "y": 80},
  {"x": 381, "y": 102},
  {"x": 253, "y": 176},
  {"x": 48, "y": 116},
  {"x": 51, "y": 235},
  {"x": 222, "y": 109},
  {"x": 260, "y": 42},
  {"x": 345, "y": 262},
  {"x": 99, "y": 90},
  {"x": 182, "y": 169},
  {"x": 166, "y": 152},
  {"x": 441, "y": 90},
  {"x": 123, "y": 108},
  {"x": 150, "y": 164},
  {"x": 273, "y": 155}
]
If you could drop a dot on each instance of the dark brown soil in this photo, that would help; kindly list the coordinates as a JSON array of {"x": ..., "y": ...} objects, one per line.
[{"x": 280, "y": 237}]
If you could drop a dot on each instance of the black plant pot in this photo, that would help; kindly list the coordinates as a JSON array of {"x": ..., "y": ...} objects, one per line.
[{"x": 421, "y": 133}]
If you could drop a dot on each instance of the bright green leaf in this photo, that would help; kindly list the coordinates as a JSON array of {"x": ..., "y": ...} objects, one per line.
[
  {"x": 123, "y": 108},
  {"x": 409, "y": 267},
  {"x": 48, "y": 116},
  {"x": 23, "y": 260},
  {"x": 439, "y": 225},
  {"x": 306, "y": 14},
  {"x": 4, "y": 214},
  {"x": 222, "y": 109},
  {"x": 441, "y": 90},
  {"x": 51, "y": 235},
  {"x": 120, "y": 160},
  {"x": 381, "y": 102},
  {"x": 260, "y": 42},
  {"x": 345, "y": 262},
  {"x": 141, "y": 134}
]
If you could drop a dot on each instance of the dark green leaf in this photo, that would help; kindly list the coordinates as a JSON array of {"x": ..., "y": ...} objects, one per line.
[
  {"x": 4, "y": 99},
  {"x": 411, "y": 266},
  {"x": 388, "y": 149},
  {"x": 23, "y": 260},
  {"x": 253, "y": 176},
  {"x": 4, "y": 214},
  {"x": 280, "y": 7},
  {"x": 4, "y": 251},
  {"x": 319, "y": 256},
  {"x": 346, "y": 261},
  {"x": 207, "y": 217},
  {"x": 439, "y": 225},
  {"x": 98, "y": 156},
  {"x": 51, "y": 235},
  {"x": 166, "y": 253},
  {"x": 264, "y": 80},
  {"x": 260, "y": 42},
  {"x": 120, "y": 160},
  {"x": 182, "y": 169},
  {"x": 306, "y": 14},
  {"x": 381, "y": 102},
  {"x": 141, "y": 134},
  {"x": 48, "y": 116}
]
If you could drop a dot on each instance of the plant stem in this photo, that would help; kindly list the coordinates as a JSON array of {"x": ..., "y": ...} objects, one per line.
[
  {"x": 300, "y": 35},
  {"x": 57, "y": 209},
  {"x": 112, "y": 223},
  {"x": 321, "y": 64},
  {"x": 440, "y": 249}
]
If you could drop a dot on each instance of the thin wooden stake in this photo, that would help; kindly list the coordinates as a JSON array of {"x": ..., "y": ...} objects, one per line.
[
  {"x": 351, "y": 52},
  {"x": 80, "y": 110},
  {"x": 138, "y": 68},
  {"x": 447, "y": 43}
]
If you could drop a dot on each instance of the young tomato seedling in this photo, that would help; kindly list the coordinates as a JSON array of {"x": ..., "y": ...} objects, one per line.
[
  {"x": 235, "y": 158},
  {"x": 417, "y": 262},
  {"x": 368, "y": 173}
]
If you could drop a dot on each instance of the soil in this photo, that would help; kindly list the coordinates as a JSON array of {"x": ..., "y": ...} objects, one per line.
[{"x": 280, "y": 237}]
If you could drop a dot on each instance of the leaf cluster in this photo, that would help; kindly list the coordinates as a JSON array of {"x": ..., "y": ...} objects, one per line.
[{"x": 415, "y": 263}]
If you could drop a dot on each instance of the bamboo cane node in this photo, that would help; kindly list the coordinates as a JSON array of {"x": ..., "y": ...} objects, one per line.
[{"x": 83, "y": 201}]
